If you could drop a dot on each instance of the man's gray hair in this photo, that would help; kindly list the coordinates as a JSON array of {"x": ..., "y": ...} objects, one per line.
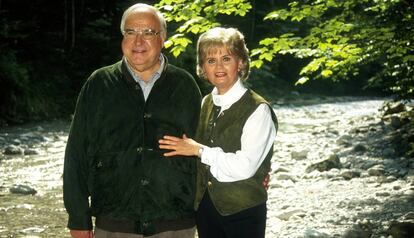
[{"x": 139, "y": 6}]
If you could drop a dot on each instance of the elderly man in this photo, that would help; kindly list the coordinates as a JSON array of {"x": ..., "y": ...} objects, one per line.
[{"x": 114, "y": 170}]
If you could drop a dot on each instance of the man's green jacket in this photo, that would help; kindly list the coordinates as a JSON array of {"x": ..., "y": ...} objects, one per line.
[{"x": 112, "y": 155}]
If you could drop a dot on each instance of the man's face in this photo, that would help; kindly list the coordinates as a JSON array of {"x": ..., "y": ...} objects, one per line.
[{"x": 142, "y": 54}]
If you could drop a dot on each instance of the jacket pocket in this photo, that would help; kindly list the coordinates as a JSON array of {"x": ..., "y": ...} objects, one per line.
[{"x": 103, "y": 183}]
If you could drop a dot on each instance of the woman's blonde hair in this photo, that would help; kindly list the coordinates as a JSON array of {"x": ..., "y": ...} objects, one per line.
[{"x": 230, "y": 38}]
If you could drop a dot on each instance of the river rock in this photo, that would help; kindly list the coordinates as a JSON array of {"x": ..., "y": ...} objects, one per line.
[
  {"x": 408, "y": 216},
  {"x": 30, "y": 151},
  {"x": 13, "y": 150},
  {"x": 325, "y": 165},
  {"x": 22, "y": 189},
  {"x": 299, "y": 155},
  {"x": 32, "y": 230},
  {"x": 350, "y": 174},
  {"x": 393, "y": 108},
  {"x": 286, "y": 215},
  {"x": 286, "y": 176},
  {"x": 356, "y": 233},
  {"x": 377, "y": 170},
  {"x": 344, "y": 140},
  {"x": 388, "y": 152},
  {"x": 360, "y": 148},
  {"x": 396, "y": 122},
  {"x": 310, "y": 233},
  {"x": 403, "y": 229}
]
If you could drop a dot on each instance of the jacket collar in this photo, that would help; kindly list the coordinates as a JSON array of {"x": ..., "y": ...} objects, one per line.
[{"x": 130, "y": 79}]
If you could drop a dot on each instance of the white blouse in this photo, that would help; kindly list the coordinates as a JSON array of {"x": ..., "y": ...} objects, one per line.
[{"x": 257, "y": 139}]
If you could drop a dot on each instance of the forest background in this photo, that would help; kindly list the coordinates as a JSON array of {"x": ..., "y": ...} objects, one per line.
[{"x": 318, "y": 47}]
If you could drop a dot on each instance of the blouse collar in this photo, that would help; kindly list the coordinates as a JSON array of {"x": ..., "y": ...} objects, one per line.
[{"x": 233, "y": 95}]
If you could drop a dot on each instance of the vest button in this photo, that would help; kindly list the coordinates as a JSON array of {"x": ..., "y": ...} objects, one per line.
[
  {"x": 209, "y": 183},
  {"x": 211, "y": 141},
  {"x": 139, "y": 150},
  {"x": 137, "y": 87}
]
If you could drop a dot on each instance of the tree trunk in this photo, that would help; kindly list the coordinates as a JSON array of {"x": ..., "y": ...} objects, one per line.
[
  {"x": 73, "y": 25},
  {"x": 253, "y": 25},
  {"x": 65, "y": 28}
]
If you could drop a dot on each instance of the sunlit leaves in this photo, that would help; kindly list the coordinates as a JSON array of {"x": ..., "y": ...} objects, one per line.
[
  {"x": 313, "y": 66},
  {"x": 197, "y": 17},
  {"x": 302, "y": 80},
  {"x": 360, "y": 32},
  {"x": 340, "y": 35},
  {"x": 178, "y": 42},
  {"x": 276, "y": 15},
  {"x": 408, "y": 58},
  {"x": 326, "y": 73},
  {"x": 271, "y": 47}
]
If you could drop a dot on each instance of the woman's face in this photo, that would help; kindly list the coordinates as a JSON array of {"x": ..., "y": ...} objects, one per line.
[{"x": 221, "y": 68}]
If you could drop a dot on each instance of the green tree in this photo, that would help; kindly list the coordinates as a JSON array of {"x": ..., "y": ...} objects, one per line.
[
  {"x": 339, "y": 38},
  {"x": 197, "y": 17}
]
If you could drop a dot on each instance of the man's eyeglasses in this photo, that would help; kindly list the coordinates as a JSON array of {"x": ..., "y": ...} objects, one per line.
[{"x": 147, "y": 34}]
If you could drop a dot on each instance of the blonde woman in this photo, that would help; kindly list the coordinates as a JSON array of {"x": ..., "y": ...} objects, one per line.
[{"x": 234, "y": 142}]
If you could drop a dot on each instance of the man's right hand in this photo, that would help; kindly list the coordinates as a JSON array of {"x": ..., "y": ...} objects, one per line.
[{"x": 81, "y": 234}]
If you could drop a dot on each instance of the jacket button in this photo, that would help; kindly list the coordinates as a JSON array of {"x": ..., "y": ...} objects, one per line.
[
  {"x": 144, "y": 182},
  {"x": 211, "y": 141},
  {"x": 99, "y": 164},
  {"x": 139, "y": 149},
  {"x": 147, "y": 115},
  {"x": 209, "y": 183}
]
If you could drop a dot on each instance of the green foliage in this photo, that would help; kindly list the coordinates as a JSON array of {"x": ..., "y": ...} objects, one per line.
[
  {"x": 196, "y": 17},
  {"x": 47, "y": 51},
  {"x": 13, "y": 83},
  {"x": 49, "y": 48},
  {"x": 346, "y": 35},
  {"x": 21, "y": 98},
  {"x": 337, "y": 37},
  {"x": 96, "y": 30}
]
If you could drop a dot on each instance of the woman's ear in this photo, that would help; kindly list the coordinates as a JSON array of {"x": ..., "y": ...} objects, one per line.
[{"x": 240, "y": 66}]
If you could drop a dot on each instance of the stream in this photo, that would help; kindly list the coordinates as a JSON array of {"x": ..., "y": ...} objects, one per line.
[{"x": 367, "y": 189}]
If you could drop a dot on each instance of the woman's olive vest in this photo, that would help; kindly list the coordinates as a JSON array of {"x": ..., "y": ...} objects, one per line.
[{"x": 225, "y": 132}]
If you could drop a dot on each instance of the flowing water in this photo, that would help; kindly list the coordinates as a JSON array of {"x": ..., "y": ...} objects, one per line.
[{"x": 41, "y": 214}]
